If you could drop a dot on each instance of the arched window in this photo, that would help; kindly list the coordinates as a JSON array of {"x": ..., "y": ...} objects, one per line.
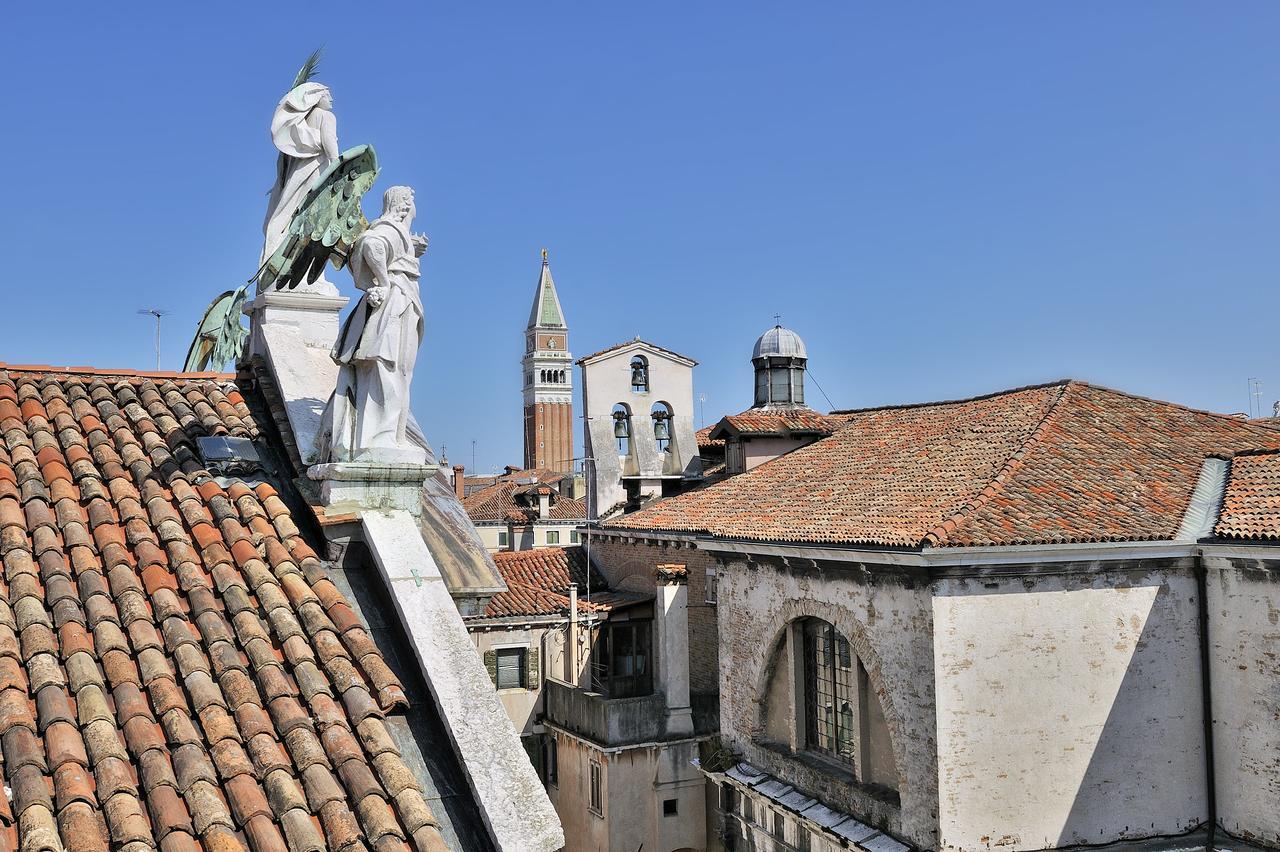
[
  {"x": 622, "y": 428},
  {"x": 830, "y": 692},
  {"x": 662, "y": 425},
  {"x": 639, "y": 374}
]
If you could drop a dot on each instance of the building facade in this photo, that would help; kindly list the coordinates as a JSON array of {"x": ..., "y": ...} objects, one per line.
[
  {"x": 548, "y": 380},
  {"x": 640, "y": 442},
  {"x": 1038, "y": 619},
  {"x": 526, "y": 509}
]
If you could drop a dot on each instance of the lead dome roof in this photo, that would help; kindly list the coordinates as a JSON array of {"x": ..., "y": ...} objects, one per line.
[{"x": 779, "y": 342}]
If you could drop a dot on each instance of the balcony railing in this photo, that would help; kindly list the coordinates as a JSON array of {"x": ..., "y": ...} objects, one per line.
[{"x": 606, "y": 721}]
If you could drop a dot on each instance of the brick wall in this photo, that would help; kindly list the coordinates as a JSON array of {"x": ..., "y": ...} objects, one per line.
[{"x": 630, "y": 566}]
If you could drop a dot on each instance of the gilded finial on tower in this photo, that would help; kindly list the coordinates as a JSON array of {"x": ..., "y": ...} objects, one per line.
[{"x": 544, "y": 257}]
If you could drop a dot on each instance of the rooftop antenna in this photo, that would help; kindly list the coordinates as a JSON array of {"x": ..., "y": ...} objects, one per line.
[
  {"x": 702, "y": 410},
  {"x": 473, "y": 455},
  {"x": 157, "y": 314},
  {"x": 1255, "y": 397}
]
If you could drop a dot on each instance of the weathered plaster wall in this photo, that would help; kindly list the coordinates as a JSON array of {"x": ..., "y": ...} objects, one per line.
[
  {"x": 757, "y": 451},
  {"x": 887, "y": 619},
  {"x": 571, "y": 795},
  {"x": 522, "y": 705},
  {"x": 636, "y": 782},
  {"x": 528, "y": 538},
  {"x": 1244, "y": 643},
  {"x": 631, "y": 565},
  {"x": 1068, "y": 707}
]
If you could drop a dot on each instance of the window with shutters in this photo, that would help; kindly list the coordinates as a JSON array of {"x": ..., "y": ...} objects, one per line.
[
  {"x": 512, "y": 672},
  {"x": 553, "y": 536},
  {"x": 711, "y": 586},
  {"x": 597, "y": 790}
]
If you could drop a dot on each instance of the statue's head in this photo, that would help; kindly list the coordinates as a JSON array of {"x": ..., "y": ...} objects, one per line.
[
  {"x": 308, "y": 96},
  {"x": 397, "y": 202}
]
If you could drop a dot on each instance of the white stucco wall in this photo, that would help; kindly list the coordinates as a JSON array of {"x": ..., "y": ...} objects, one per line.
[
  {"x": 522, "y": 705},
  {"x": 1069, "y": 709},
  {"x": 1244, "y": 643},
  {"x": 607, "y": 382}
]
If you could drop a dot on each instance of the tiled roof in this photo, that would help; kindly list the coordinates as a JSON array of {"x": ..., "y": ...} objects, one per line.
[
  {"x": 706, "y": 442},
  {"x": 1251, "y": 498},
  {"x": 778, "y": 421},
  {"x": 499, "y": 502},
  {"x": 627, "y": 343},
  {"x": 1065, "y": 462},
  {"x": 177, "y": 672},
  {"x": 537, "y": 581}
]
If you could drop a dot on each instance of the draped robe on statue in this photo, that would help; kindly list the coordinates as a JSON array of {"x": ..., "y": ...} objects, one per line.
[
  {"x": 376, "y": 351},
  {"x": 306, "y": 135}
]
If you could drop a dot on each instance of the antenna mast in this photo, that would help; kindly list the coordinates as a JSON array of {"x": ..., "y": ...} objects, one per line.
[{"x": 154, "y": 312}]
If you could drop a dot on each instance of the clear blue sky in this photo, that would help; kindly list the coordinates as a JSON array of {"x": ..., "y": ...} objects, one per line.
[{"x": 943, "y": 199}]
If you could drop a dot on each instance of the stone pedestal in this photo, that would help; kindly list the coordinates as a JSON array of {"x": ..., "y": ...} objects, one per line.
[
  {"x": 358, "y": 485},
  {"x": 314, "y": 316},
  {"x": 294, "y": 332}
]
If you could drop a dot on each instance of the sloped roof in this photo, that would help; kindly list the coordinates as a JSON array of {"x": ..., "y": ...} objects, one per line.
[
  {"x": 546, "y": 312},
  {"x": 537, "y": 581},
  {"x": 1063, "y": 462},
  {"x": 777, "y": 421},
  {"x": 177, "y": 671},
  {"x": 636, "y": 342},
  {"x": 499, "y": 502},
  {"x": 1251, "y": 498},
  {"x": 706, "y": 442}
]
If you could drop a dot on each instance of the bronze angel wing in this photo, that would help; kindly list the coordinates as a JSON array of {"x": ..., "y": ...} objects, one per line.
[{"x": 326, "y": 223}]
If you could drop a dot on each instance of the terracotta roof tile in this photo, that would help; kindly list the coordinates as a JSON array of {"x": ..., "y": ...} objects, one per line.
[
  {"x": 537, "y": 583},
  {"x": 777, "y": 421},
  {"x": 1065, "y": 462},
  {"x": 1251, "y": 498},
  {"x": 514, "y": 500},
  {"x": 143, "y": 703}
]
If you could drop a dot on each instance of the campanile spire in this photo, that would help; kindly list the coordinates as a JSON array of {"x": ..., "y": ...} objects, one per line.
[{"x": 548, "y": 380}]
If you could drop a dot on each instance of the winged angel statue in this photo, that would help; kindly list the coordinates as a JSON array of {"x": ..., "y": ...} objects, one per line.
[{"x": 313, "y": 216}]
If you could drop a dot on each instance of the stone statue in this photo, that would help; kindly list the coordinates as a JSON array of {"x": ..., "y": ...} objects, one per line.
[
  {"x": 305, "y": 132},
  {"x": 367, "y": 417}
]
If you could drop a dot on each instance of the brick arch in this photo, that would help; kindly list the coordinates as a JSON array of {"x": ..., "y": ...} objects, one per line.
[{"x": 849, "y": 626}]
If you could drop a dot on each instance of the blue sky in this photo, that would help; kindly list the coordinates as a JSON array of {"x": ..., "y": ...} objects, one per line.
[{"x": 942, "y": 199}]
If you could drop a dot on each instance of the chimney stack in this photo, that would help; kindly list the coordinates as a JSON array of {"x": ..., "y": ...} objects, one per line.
[{"x": 459, "y": 478}]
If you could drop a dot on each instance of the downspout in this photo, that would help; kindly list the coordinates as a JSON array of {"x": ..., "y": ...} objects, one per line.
[
  {"x": 1197, "y": 524},
  {"x": 1206, "y": 698}
]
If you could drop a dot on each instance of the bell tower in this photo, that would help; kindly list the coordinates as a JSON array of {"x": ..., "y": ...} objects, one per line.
[{"x": 548, "y": 381}]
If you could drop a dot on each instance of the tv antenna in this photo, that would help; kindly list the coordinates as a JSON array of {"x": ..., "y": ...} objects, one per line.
[
  {"x": 1255, "y": 397},
  {"x": 157, "y": 314}
]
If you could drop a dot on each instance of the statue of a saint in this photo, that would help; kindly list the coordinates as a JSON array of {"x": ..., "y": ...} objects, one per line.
[
  {"x": 305, "y": 132},
  {"x": 378, "y": 344}
]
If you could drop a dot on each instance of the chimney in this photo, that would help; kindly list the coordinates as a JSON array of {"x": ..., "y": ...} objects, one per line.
[
  {"x": 571, "y": 658},
  {"x": 671, "y": 611},
  {"x": 459, "y": 480},
  {"x": 544, "y": 504}
]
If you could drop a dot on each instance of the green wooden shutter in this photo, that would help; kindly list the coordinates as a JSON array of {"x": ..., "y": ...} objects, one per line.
[
  {"x": 531, "y": 668},
  {"x": 491, "y": 663}
]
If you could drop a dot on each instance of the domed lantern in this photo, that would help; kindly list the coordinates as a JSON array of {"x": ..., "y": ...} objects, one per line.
[{"x": 779, "y": 358}]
